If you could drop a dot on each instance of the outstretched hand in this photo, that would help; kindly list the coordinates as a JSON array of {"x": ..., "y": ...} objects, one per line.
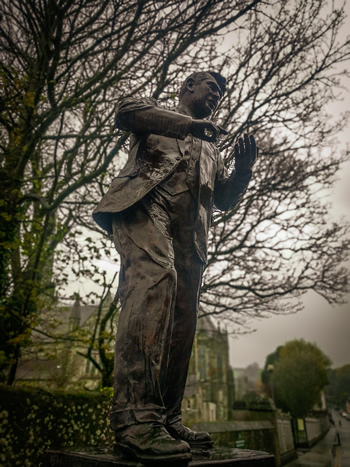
[
  {"x": 206, "y": 130},
  {"x": 246, "y": 152}
]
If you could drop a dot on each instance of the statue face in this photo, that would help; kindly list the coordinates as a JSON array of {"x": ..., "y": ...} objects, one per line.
[{"x": 204, "y": 97}]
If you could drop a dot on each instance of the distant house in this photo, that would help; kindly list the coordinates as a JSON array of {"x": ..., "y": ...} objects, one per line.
[{"x": 247, "y": 380}]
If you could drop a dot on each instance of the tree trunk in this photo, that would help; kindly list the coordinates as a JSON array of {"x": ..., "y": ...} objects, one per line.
[{"x": 13, "y": 367}]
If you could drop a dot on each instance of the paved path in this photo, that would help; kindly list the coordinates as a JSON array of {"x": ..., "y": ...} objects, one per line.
[
  {"x": 342, "y": 455},
  {"x": 326, "y": 453},
  {"x": 318, "y": 456}
]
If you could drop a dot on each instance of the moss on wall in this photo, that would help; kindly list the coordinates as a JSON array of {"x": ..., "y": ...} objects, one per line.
[{"x": 33, "y": 420}]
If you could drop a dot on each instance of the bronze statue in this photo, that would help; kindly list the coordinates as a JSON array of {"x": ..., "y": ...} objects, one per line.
[{"x": 159, "y": 210}]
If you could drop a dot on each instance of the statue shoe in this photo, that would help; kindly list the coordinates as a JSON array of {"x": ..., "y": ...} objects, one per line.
[
  {"x": 151, "y": 444},
  {"x": 197, "y": 440}
]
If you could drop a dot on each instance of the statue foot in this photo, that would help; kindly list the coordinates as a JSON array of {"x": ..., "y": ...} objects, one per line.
[
  {"x": 151, "y": 444},
  {"x": 196, "y": 440}
]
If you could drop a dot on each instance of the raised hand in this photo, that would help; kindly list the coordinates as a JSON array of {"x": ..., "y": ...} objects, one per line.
[{"x": 246, "y": 152}]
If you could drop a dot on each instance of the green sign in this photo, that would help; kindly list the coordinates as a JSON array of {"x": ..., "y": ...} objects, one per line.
[{"x": 240, "y": 442}]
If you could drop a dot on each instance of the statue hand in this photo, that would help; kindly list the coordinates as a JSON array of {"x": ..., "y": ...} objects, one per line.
[
  {"x": 246, "y": 152},
  {"x": 206, "y": 130}
]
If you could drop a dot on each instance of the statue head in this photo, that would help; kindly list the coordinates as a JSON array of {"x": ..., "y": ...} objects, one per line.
[{"x": 201, "y": 92}]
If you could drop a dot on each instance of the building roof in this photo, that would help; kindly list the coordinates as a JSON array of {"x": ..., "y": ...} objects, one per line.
[{"x": 206, "y": 323}]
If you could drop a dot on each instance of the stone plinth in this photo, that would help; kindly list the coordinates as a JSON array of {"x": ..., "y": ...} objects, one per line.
[{"x": 103, "y": 458}]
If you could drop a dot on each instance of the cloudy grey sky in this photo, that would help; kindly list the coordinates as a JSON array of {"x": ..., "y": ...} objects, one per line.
[
  {"x": 318, "y": 322},
  {"x": 327, "y": 326}
]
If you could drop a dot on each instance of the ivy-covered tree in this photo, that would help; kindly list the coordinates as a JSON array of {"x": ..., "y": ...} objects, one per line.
[
  {"x": 267, "y": 372},
  {"x": 299, "y": 375}
]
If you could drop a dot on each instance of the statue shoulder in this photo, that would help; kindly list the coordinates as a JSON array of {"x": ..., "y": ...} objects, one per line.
[{"x": 131, "y": 103}]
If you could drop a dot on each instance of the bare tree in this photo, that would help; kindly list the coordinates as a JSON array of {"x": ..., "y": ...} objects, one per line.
[{"x": 64, "y": 65}]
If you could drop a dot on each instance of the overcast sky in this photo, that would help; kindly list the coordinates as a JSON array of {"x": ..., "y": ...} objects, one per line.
[{"x": 327, "y": 326}]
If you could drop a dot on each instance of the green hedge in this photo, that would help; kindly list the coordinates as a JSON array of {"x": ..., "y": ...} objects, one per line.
[{"x": 33, "y": 420}]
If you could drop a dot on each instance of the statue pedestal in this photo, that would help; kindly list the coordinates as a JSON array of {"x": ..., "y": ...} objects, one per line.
[{"x": 103, "y": 458}]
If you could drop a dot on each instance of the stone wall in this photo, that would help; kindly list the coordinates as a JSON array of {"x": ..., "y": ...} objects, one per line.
[
  {"x": 264, "y": 430},
  {"x": 316, "y": 428},
  {"x": 285, "y": 438},
  {"x": 255, "y": 435}
]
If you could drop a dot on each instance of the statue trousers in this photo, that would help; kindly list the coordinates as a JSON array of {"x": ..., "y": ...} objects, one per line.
[{"x": 159, "y": 286}]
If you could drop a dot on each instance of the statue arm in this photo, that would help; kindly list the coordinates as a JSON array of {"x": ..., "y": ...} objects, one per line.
[
  {"x": 144, "y": 116},
  {"x": 229, "y": 190}
]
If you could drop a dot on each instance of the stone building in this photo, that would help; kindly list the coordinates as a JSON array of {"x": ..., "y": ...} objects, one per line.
[{"x": 209, "y": 392}]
